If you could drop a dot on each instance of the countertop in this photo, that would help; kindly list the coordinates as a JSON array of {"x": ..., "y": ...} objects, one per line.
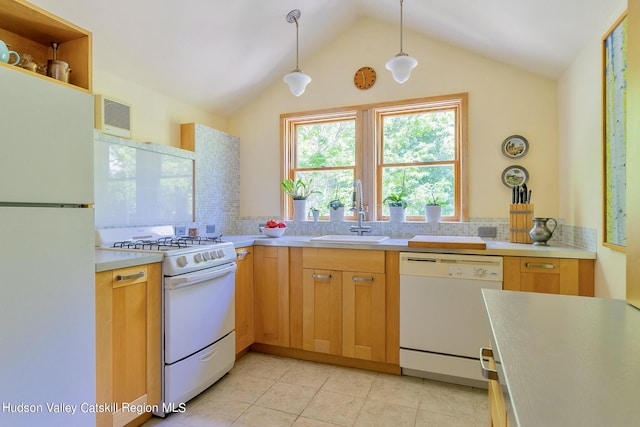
[
  {"x": 110, "y": 260},
  {"x": 395, "y": 244},
  {"x": 566, "y": 360}
]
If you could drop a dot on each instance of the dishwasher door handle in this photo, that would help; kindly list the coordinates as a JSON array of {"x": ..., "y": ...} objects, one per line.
[{"x": 488, "y": 373}]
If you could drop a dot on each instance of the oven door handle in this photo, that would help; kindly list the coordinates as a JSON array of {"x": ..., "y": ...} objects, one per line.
[{"x": 189, "y": 279}]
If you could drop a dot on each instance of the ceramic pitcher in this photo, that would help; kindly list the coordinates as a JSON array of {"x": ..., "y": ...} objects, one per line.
[
  {"x": 540, "y": 233},
  {"x": 5, "y": 54}
]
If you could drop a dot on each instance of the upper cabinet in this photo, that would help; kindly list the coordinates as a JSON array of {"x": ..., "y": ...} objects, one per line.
[{"x": 30, "y": 30}]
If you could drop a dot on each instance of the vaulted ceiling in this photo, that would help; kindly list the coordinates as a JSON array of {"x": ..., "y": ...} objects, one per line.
[{"x": 179, "y": 47}]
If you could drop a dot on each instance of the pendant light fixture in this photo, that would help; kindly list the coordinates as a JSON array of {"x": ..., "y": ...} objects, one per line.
[
  {"x": 401, "y": 64},
  {"x": 297, "y": 80}
]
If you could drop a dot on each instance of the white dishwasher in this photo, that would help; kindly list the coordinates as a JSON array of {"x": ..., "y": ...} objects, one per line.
[{"x": 442, "y": 318}]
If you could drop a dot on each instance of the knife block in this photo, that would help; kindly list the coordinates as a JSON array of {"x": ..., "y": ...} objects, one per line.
[{"x": 520, "y": 222}]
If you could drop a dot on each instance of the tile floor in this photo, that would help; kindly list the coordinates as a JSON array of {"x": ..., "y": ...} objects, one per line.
[{"x": 264, "y": 390}]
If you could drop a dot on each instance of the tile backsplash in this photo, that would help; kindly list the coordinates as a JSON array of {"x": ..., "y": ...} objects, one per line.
[{"x": 217, "y": 177}]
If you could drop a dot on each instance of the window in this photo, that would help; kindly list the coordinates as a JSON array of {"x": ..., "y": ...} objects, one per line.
[{"x": 419, "y": 143}]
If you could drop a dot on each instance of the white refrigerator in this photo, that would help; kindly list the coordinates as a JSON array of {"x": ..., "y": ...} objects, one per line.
[{"x": 47, "y": 306}]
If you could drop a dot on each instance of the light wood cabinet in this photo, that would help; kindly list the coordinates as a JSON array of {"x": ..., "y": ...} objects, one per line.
[
  {"x": 343, "y": 303},
  {"x": 322, "y": 311},
  {"x": 497, "y": 408},
  {"x": 30, "y": 30},
  {"x": 364, "y": 315},
  {"x": 128, "y": 341},
  {"x": 244, "y": 299},
  {"x": 271, "y": 293},
  {"x": 549, "y": 275}
]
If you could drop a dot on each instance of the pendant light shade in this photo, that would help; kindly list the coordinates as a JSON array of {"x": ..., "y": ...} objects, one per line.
[
  {"x": 296, "y": 79},
  {"x": 402, "y": 64}
]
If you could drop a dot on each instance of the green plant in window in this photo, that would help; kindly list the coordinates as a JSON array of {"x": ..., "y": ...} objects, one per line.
[
  {"x": 298, "y": 189},
  {"x": 436, "y": 195},
  {"x": 336, "y": 202},
  {"x": 398, "y": 198}
]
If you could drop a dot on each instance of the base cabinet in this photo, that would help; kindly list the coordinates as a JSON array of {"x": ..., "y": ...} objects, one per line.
[
  {"x": 343, "y": 303},
  {"x": 497, "y": 408},
  {"x": 322, "y": 311},
  {"x": 244, "y": 299},
  {"x": 271, "y": 293},
  {"x": 128, "y": 342},
  {"x": 364, "y": 315},
  {"x": 549, "y": 275}
]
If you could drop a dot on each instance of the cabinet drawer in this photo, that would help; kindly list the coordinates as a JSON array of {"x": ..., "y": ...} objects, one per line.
[{"x": 343, "y": 259}]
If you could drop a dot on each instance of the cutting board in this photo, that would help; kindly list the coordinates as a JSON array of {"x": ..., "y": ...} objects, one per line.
[{"x": 448, "y": 242}]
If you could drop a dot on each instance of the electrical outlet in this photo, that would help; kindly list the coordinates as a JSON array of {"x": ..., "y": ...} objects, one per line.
[
  {"x": 211, "y": 228},
  {"x": 181, "y": 231},
  {"x": 487, "y": 231}
]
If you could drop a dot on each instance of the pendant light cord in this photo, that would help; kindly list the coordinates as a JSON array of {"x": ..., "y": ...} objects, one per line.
[
  {"x": 401, "y": 51},
  {"x": 296, "y": 21}
]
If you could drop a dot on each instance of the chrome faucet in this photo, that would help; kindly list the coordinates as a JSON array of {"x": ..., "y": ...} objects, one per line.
[{"x": 358, "y": 209}]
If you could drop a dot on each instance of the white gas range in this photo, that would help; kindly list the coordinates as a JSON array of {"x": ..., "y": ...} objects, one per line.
[{"x": 198, "y": 306}]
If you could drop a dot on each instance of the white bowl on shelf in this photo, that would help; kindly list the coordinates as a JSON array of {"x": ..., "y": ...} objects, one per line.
[{"x": 273, "y": 232}]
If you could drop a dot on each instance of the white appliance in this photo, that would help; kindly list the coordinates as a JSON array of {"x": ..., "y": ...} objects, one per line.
[
  {"x": 47, "y": 309},
  {"x": 198, "y": 307},
  {"x": 442, "y": 317}
]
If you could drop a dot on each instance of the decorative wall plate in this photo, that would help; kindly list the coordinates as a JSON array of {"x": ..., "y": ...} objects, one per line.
[
  {"x": 515, "y": 175},
  {"x": 515, "y": 146}
]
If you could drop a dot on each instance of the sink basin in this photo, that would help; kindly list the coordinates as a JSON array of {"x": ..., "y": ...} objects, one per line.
[{"x": 345, "y": 238}]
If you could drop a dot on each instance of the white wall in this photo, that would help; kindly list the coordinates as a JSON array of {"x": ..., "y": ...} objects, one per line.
[
  {"x": 580, "y": 155},
  {"x": 503, "y": 101},
  {"x": 155, "y": 117}
]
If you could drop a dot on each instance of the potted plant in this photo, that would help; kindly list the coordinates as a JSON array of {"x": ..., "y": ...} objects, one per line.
[
  {"x": 336, "y": 208},
  {"x": 433, "y": 207},
  {"x": 397, "y": 204},
  {"x": 315, "y": 213},
  {"x": 299, "y": 191}
]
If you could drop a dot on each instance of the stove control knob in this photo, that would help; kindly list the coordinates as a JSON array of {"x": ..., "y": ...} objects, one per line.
[
  {"x": 197, "y": 258},
  {"x": 182, "y": 261},
  {"x": 214, "y": 255},
  {"x": 207, "y": 256},
  {"x": 220, "y": 253}
]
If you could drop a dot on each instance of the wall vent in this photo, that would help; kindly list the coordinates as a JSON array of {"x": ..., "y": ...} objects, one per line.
[{"x": 112, "y": 116}]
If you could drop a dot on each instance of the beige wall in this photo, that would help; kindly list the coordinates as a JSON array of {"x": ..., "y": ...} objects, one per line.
[
  {"x": 502, "y": 101},
  {"x": 155, "y": 117},
  {"x": 580, "y": 154}
]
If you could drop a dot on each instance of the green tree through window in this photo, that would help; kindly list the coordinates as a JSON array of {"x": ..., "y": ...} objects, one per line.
[{"x": 422, "y": 141}]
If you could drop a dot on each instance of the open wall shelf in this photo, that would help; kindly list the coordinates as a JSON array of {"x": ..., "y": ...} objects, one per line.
[{"x": 30, "y": 29}]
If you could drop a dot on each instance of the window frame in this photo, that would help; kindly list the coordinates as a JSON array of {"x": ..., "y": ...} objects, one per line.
[{"x": 369, "y": 145}]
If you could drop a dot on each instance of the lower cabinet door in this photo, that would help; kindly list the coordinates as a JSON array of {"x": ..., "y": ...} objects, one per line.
[
  {"x": 322, "y": 311},
  {"x": 363, "y": 315}
]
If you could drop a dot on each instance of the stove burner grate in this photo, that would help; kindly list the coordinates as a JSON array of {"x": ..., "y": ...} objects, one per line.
[{"x": 166, "y": 243}]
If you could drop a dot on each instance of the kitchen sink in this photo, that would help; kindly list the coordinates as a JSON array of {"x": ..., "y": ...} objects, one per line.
[{"x": 346, "y": 238}]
